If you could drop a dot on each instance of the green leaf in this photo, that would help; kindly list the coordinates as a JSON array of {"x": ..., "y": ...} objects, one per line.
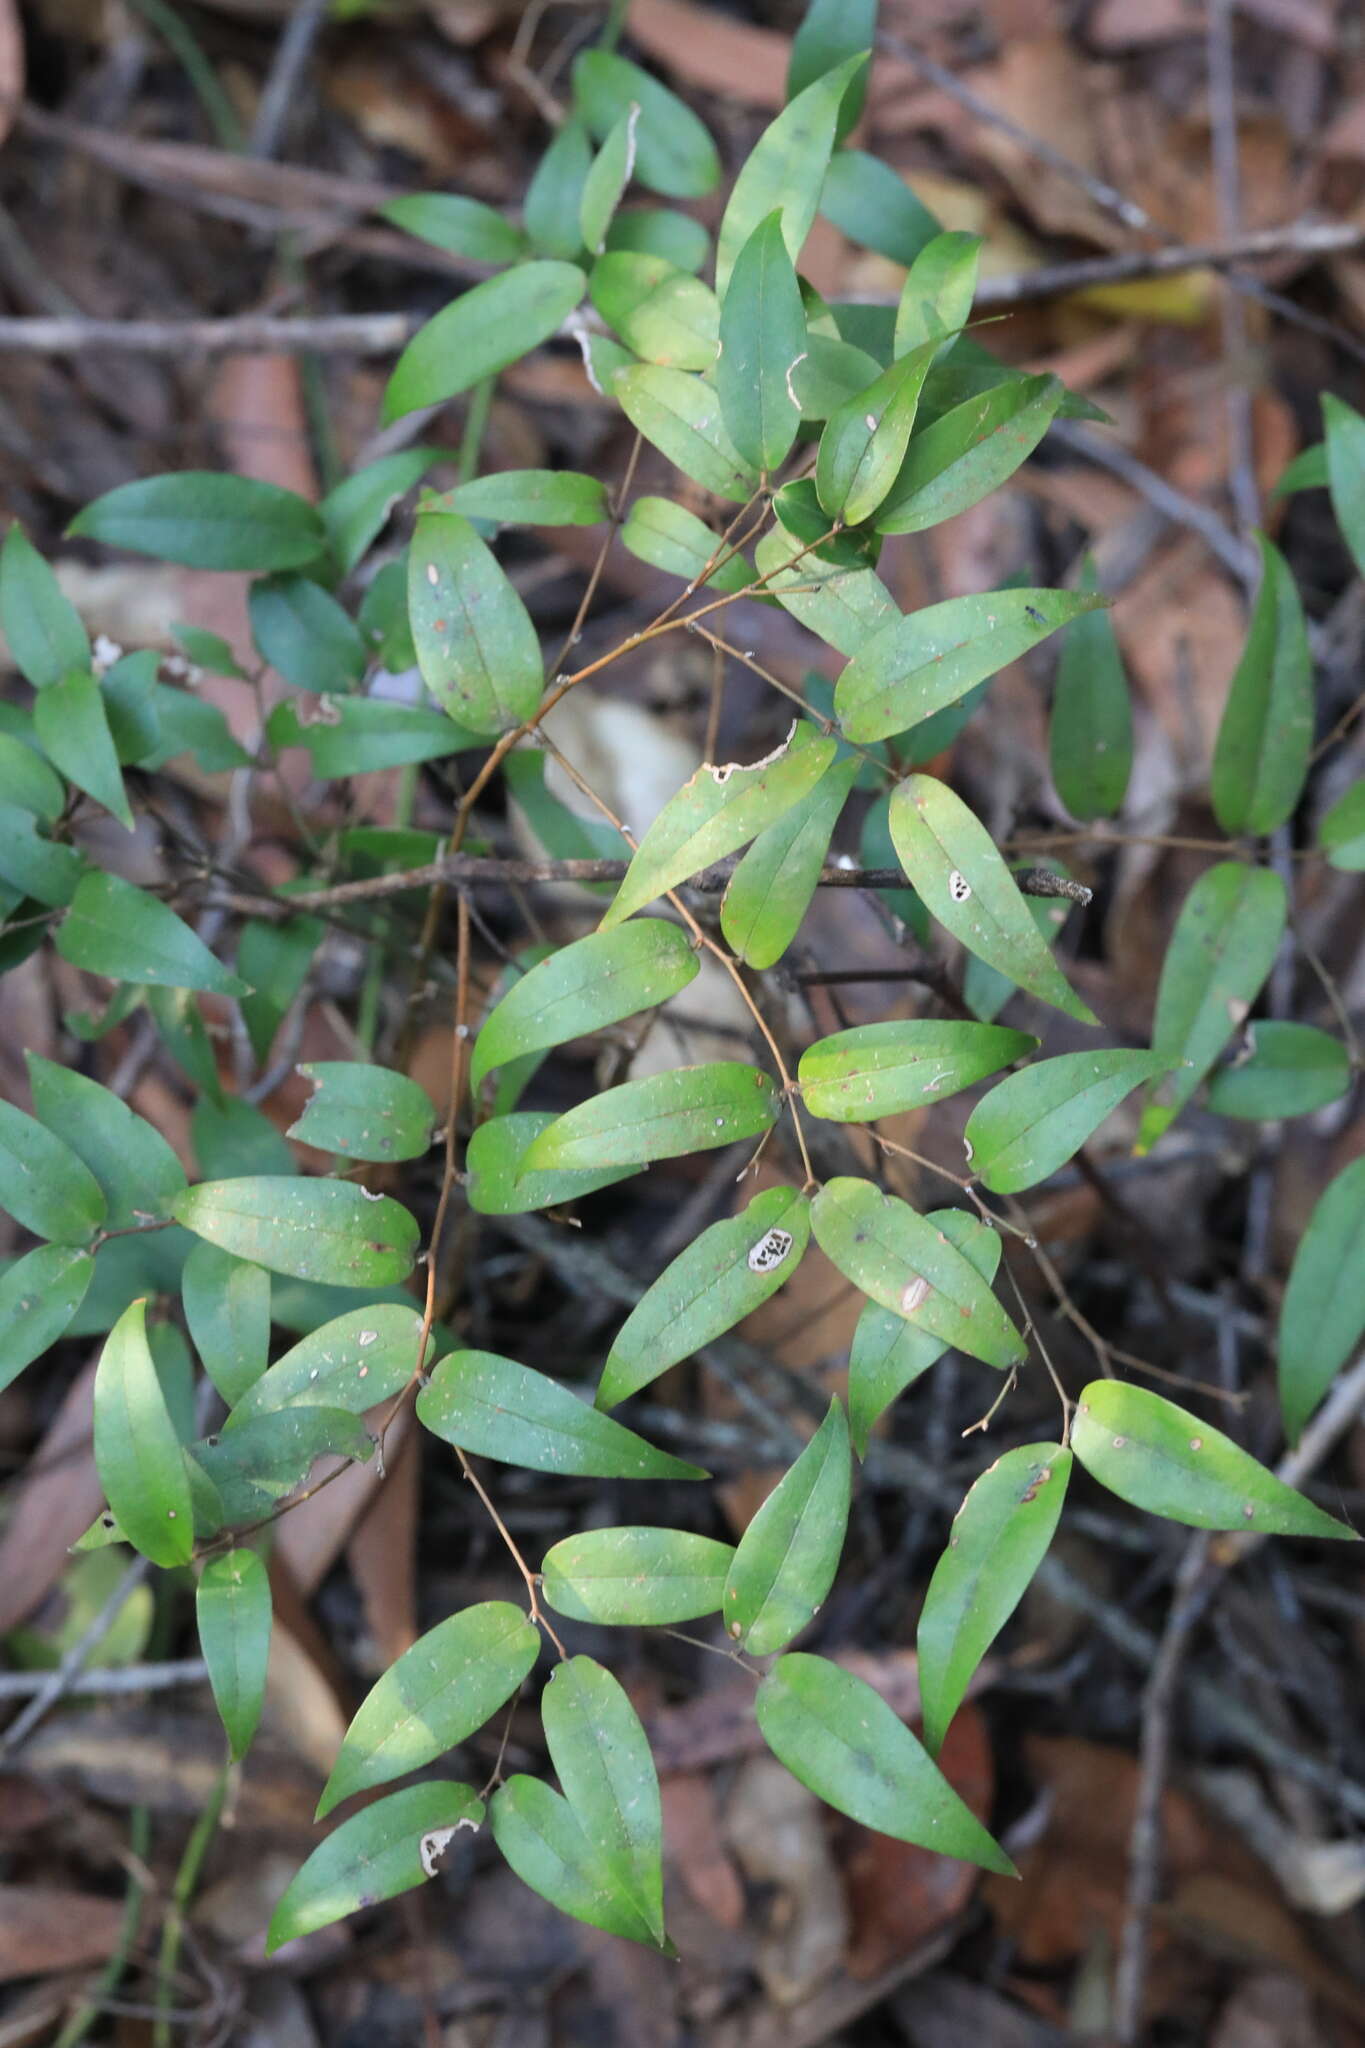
[
  {"x": 364, "y": 1111},
  {"x": 842, "y": 1741},
  {"x": 1166, "y": 1461},
  {"x": 187, "y": 724},
  {"x": 232, "y": 1609},
  {"x": 873, "y": 206},
  {"x": 476, "y": 646},
  {"x": 635, "y": 1577},
  {"x": 829, "y": 589},
  {"x": 498, "y": 1183},
  {"x": 1223, "y": 947},
  {"x": 555, "y": 191},
  {"x": 969, "y": 452},
  {"x": 351, "y": 1364},
  {"x": 786, "y": 169},
  {"x": 498, "y": 1409},
  {"x": 44, "y": 1184},
  {"x": 888, "y": 1354},
  {"x": 379, "y": 1853},
  {"x": 233, "y": 1138},
  {"x": 721, "y": 1277},
  {"x": 304, "y": 634},
  {"x": 547, "y": 1846},
  {"x": 601, "y": 1757},
  {"x": 41, "y": 625},
  {"x": 206, "y": 521},
  {"x": 904, "y": 1262},
  {"x": 770, "y": 891},
  {"x": 436, "y": 1694},
  {"x": 459, "y": 225},
  {"x": 126, "y": 934},
  {"x": 688, "y": 1109},
  {"x": 1091, "y": 731},
  {"x": 585, "y": 986},
  {"x": 608, "y": 176},
  {"x": 673, "y": 152},
  {"x": 70, "y": 720},
  {"x": 1260, "y": 758},
  {"x": 1341, "y": 835},
  {"x": 1323, "y": 1316},
  {"x": 881, "y": 1069},
  {"x": 762, "y": 334},
  {"x": 718, "y": 809},
  {"x": 275, "y": 958},
  {"x": 1038, "y": 1119},
  {"x": 660, "y": 231},
  {"x": 481, "y": 332},
  {"x": 135, "y": 1167},
  {"x": 137, "y": 1451},
  {"x": 129, "y": 692},
  {"x": 668, "y": 536},
  {"x": 257, "y": 1466},
  {"x": 661, "y": 313},
  {"x": 1000, "y": 1537},
  {"x": 39, "y": 1294},
  {"x": 27, "y": 781},
  {"x": 533, "y": 497},
  {"x": 1284, "y": 1070},
  {"x": 33, "y": 865},
  {"x": 1346, "y": 472},
  {"x": 930, "y": 658},
  {"x": 1307, "y": 472},
  {"x": 315, "y": 1229},
  {"x": 936, "y": 298},
  {"x": 788, "y": 1555},
  {"x": 356, "y": 510},
  {"x": 356, "y": 735},
  {"x": 865, "y": 439},
  {"x": 951, "y": 861},
  {"x": 830, "y": 374},
  {"x": 227, "y": 1311},
  {"x": 679, "y": 414},
  {"x": 832, "y": 31}
]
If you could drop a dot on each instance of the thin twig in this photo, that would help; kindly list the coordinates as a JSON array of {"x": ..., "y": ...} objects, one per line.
[{"x": 113, "y": 1681}]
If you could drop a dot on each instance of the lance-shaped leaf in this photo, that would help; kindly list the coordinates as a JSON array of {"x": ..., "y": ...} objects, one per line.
[
  {"x": 329, "y": 1230},
  {"x": 132, "y": 1162},
  {"x": 830, "y": 373},
  {"x": 1346, "y": 471},
  {"x": 351, "y": 1363},
  {"x": 533, "y": 497},
  {"x": 786, "y": 169},
  {"x": 437, "y": 1693},
  {"x": 1323, "y": 1317},
  {"x": 830, "y": 31},
  {"x": 670, "y": 537},
  {"x": 1034, "y": 1121},
  {"x": 499, "y": 1409},
  {"x": 550, "y": 210},
  {"x": 379, "y": 1853},
  {"x": 999, "y": 1538},
  {"x": 137, "y": 1451},
  {"x": 660, "y": 231},
  {"x": 608, "y": 176},
  {"x": 356, "y": 735},
  {"x": 830, "y": 588},
  {"x": 481, "y": 332},
  {"x": 44, "y": 1184},
  {"x": 364, "y": 1111},
  {"x": 762, "y": 334},
  {"x": 689, "y": 1109},
  {"x": 305, "y": 635},
  {"x": 499, "y": 1183},
  {"x": 842, "y": 1741},
  {"x": 936, "y": 298},
  {"x": 906, "y": 1263},
  {"x": 968, "y": 452},
  {"x": 227, "y": 1309},
  {"x": 1223, "y": 946},
  {"x": 42, "y": 627},
  {"x": 874, "y": 207},
  {"x": 71, "y": 722},
  {"x": 952, "y": 862},
  {"x": 679, "y": 414},
  {"x": 1260, "y": 758},
  {"x": 27, "y": 781},
  {"x": 207, "y": 520},
  {"x": 720, "y": 808},
  {"x": 770, "y": 891},
  {"x": 660, "y": 312},
  {"x": 585, "y": 986},
  {"x": 920, "y": 663},
  {"x": 881, "y": 1069},
  {"x": 726, "y": 1273},
  {"x": 232, "y": 1609},
  {"x": 33, "y": 865},
  {"x": 39, "y": 1294},
  {"x": 788, "y": 1555},
  {"x": 1091, "y": 729},
  {"x": 865, "y": 439},
  {"x": 601, "y": 1757},
  {"x": 1341, "y": 835},
  {"x": 674, "y": 153},
  {"x": 252, "y": 1469},
  {"x": 888, "y": 1354},
  {"x": 115, "y": 929},
  {"x": 476, "y": 646},
  {"x": 1285, "y": 1070},
  {"x": 1166, "y": 1461},
  {"x": 548, "y": 1847},
  {"x": 459, "y": 225},
  {"x": 635, "y": 1577}
]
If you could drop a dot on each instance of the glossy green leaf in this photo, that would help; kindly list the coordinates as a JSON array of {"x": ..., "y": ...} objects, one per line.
[
  {"x": 205, "y": 519},
  {"x": 874, "y": 207},
  {"x": 830, "y": 589},
  {"x": 436, "y": 1694},
  {"x": 304, "y": 634},
  {"x": 1223, "y": 947},
  {"x": 762, "y": 334},
  {"x": 831, "y": 31},
  {"x": 476, "y": 646},
  {"x": 44, "y": 1184},
  {"x": 1260, "y": 758},
  {"x": 601, "y": 1757},
  {"x": 788, "y": 1555},
  {"x": 999, "y": 1538},
  {"x": 33, "y": 865},
  {"x": 770, "y": 891},
  {"x": 674, "y": 154},
  {"x": 315, "y": 1229},
  {"x": 660, "y": 312},
  {"x": 1285, "y": 1070},
  {"x": 364, "y": 1111},
  {"x": 70, "y": 720},
  {"x": 881, "y": 1069},
  {"x": 499, "y": 1409},
  {"x": 936, "y": 298},
  {"x": 357, "y": 735},
  {"x": 608, "y": 176},
  {"x": 135, "y": 1167},
  {"x": 716, "y": 810},
  {"x": 481, "y": 332},
  {"x": 498, "y": 1183},
  {"x": 660, "y": 231},
  {"x": 533, "y": 497},
  {"x": 688, "y": 1109},
  {"x": 1034, "y": 1121},
  {"x": 39, "y": 1294},
  {"x": 227, "y": 1310},
  {"x": 841, "y": 1740},
  {"x": 951, "y": 860},
  {"x": 865, "y": 439},
  {"x": 556, "y": 190},
  {"x": 459, "y": 225},
  {"x": 137, "y": 1451},
  {"x": 1341, "y": 835},
  {"x": 888, "y": 1354},
  {"x": 351, "y": 1363},
  {"x": 721, "y": 1277},
  {"x": 384, "y": 1850},
  {"x": 679, "y": 414},
  {"x": 1091, "y": 729},
  {"x": 928, "y": 659},
  {"x": 969, "y": 452},
  {"x": 786, "y": 169},
  {"x": 585, "y": 986},
  {"x": 115, "y": 929},
  {"x": 1323, "y": 1316},
  {"x": 1165, "y": 1460},
  {"x": 548, "y": 1847},
  {"x": 829, "y": 374},
  {"x": 42, "y": 627},
  {"x": 1346, "y": 471},
  {"x": 903, "y": 1261},
  {"x": 635, "y": 1577},
  {"x": 668, "y": 536},
  {"x": 233, "y": 1614},
  {"x": 27, "y": 782}
]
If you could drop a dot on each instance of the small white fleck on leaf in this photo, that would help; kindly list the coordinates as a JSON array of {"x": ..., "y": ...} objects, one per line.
[
  {"x": 959, "y": 888},
  {"x": 770, "y": 1251}
]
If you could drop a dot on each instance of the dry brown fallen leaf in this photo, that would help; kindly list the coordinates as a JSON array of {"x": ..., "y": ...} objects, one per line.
[
  {"x": 54, "y": 1505},
  {"x": 704, "y": 47},
  {"x": 48, "y": 1927}
]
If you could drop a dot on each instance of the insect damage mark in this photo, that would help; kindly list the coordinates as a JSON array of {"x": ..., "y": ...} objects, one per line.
[{"x": 770, "y": 1251}]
